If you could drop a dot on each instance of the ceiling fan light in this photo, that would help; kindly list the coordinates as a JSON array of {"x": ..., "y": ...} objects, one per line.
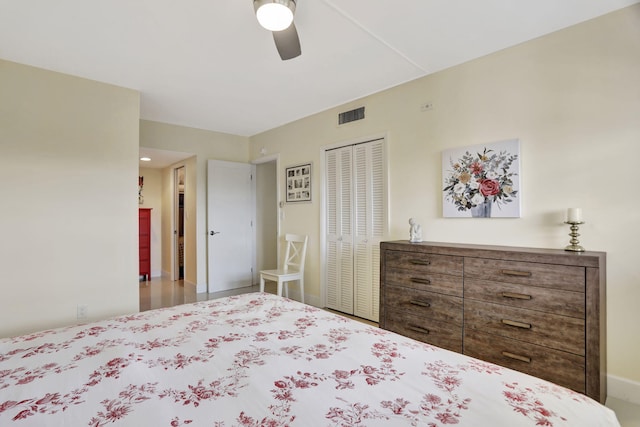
[{"x": 274, "y": 15}]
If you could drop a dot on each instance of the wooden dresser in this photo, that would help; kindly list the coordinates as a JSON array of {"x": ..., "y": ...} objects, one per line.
[
  {"x": 539, "y": 311},
  {"x": 144, "y": 242}
]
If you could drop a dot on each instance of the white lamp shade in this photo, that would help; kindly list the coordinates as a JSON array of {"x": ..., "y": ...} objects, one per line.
[{"x": 274, "y": 16}]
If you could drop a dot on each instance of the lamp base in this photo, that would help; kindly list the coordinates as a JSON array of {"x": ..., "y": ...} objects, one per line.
[{"x": 574, "y": 248}]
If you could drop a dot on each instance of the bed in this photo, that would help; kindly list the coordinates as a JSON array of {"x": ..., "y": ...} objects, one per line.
[{"x": 262, "y": 360}]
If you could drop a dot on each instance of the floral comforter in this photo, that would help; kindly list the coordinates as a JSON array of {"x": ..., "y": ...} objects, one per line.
[{"x": 263, "y": 360}]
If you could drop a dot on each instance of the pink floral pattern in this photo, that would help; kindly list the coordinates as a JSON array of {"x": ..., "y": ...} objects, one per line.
[
  {"x": 259, "y": 360},
  {"x": 524, "y": 400}
]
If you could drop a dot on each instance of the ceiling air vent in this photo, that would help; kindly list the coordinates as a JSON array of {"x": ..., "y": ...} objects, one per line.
[{"x": 351, "y": 116}]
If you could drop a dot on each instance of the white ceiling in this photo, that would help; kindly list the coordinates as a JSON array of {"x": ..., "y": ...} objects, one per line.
[{"x": 208, "y": 64}]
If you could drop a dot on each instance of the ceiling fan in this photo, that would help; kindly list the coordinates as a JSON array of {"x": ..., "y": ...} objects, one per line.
[{"x": 277, "y": 17}]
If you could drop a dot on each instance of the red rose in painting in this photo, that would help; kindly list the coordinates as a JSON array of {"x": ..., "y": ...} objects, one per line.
[{"x": 489, "y": 187}]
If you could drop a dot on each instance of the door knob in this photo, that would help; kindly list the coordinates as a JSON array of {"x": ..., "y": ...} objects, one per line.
[{"x": 213, "y": 233}]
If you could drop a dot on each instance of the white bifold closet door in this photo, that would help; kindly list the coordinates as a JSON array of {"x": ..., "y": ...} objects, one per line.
[{"x": 356, "y": 222}]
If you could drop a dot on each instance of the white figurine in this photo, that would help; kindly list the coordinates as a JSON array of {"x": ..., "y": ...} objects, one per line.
[{"x": 415, "y": 231}]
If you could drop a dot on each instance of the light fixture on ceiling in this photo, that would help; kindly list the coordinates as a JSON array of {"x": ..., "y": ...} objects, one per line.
[
  {"x": 275, "y": 15},
  {"x": 145, "y": 159}
]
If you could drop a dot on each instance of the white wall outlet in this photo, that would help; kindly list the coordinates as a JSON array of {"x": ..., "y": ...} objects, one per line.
[
  {"x": 82, "y": 311},
  {"x": 426, "y": 106}
]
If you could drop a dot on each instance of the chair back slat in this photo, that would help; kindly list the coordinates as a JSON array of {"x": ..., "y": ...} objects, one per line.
[{"x": 296, "y": 252}]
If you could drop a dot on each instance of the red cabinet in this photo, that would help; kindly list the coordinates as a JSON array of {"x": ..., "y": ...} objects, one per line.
[{"x": 144, "y": 242}]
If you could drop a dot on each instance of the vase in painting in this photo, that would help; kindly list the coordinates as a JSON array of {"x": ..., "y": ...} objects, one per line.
[{"x": 482, "y": 210}]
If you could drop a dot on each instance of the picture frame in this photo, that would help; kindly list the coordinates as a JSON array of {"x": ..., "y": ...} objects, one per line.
[
  {"x": 298, "y": 183},
  {"x": 482, "y": 181}
]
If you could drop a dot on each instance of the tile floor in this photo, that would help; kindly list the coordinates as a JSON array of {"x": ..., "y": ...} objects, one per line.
[{"x": 158, "y": 293}]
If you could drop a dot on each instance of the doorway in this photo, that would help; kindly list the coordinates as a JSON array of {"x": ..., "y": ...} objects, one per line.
[
  {"x": 178, "y": 229},
  {"x": 267, "y": 215}
]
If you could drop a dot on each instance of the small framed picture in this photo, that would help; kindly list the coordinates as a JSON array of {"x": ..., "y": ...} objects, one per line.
[{"x": 298, "y": 181}]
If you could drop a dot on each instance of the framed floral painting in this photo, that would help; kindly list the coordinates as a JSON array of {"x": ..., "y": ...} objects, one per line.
[{"x": 482, "y": 181}]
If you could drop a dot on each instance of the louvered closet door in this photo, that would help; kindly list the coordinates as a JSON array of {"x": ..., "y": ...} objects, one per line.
[
  {"x": 339, "y": 230},
  {"x": 370, "y": 220},
  {"x": 355, "y": 223}
]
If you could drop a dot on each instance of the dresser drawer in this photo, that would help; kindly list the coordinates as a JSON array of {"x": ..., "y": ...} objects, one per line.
[
  {"x": 555, "y": 301},
  {"x": 425, "y": 262},
  {"x": 424, "y": 304},
  {"x": 545, "y": 329},
  {"x": 568, "y": 278},
  {"x": 562, "y": 368},
  {"x": 435, "y": 282},
  {"x": 441, "y": 334}
]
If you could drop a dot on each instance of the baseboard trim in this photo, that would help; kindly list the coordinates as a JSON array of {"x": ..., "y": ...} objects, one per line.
[
  {"x": 312, "y": 300},
  {"x": 200, "y": 287},
  {"x": 623, "y": 389}
]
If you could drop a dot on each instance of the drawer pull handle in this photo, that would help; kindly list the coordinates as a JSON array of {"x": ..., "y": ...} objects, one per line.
[
  {"x": 516, "y": 357},
  {"x": 516, "y": 273},
  {"x": 516, "y": 324},
  {"x": 419, "y": 280},
  {"x": 418, "y": 329},
  {"x": 420, "y": 262},
  {"x": 515, "y": 295},
  {"x": 419, "y": 303}
]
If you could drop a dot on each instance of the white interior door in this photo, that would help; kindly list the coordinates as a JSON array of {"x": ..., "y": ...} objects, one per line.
[{"x": 230, "y": 216}]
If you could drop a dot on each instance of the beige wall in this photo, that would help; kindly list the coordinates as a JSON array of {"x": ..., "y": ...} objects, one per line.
[
  {"x": 204, "y": 145},
  {"x": 573, "y": 100},
  {"x": 68, "y": 185},
  {"x": 166, "y": 212}
]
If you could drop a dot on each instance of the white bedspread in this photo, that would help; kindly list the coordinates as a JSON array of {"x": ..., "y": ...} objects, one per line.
[{"x": 262, "y": 360}]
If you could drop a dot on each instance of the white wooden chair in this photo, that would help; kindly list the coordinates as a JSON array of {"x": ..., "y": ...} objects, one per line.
[{"x": 292, "y": 266}]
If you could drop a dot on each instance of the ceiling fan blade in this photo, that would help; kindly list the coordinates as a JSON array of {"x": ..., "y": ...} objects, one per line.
[{"x": 287, "y": 42}]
